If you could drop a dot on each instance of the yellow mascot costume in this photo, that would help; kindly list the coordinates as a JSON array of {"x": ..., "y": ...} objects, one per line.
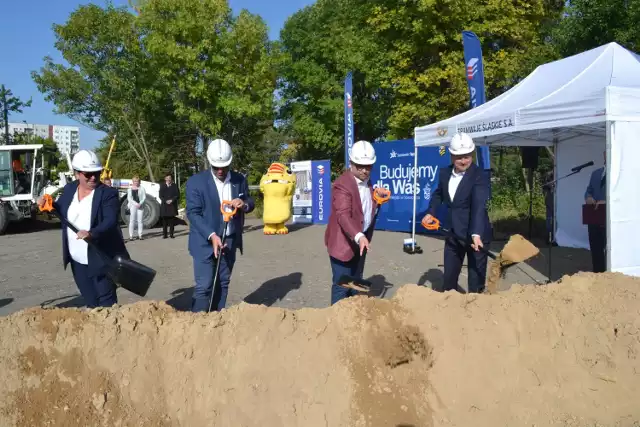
[{"x": 277, "y": 186}]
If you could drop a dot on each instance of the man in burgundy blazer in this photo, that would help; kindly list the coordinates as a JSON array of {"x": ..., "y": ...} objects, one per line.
[{"x": 351, "y": 221}]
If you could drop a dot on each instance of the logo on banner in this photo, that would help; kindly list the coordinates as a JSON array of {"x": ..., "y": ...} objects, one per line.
[
  {"x": 441, "y": 151},
  {"x": 320, "y": 192},
  {"x": 472, "y": 68},
  {"x": 442, "y": 131},
  {"x": 427, "y": 192},
  {"x": 393, "y": 154}
]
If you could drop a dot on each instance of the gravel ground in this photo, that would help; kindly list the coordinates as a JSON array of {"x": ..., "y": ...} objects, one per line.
[{"x": 285, "y": 271}]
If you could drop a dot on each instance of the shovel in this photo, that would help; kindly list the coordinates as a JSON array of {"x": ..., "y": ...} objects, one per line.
[
  {"x": 226, "y": 217},
  {"x": 125, "y": 273},
  {"x": 517, "y": 250},
  {"x": 380, "y": 196}
]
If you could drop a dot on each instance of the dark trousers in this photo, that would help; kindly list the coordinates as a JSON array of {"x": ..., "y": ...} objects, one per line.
[
  {"x": 340, "y": 268},
  {"x": 168, "y": 221},
  {"x": 98, "y": 291},
  {"x": 454, "y": 254},
  {"x": 598, "y": 246},
  {"x": 204, "y": 272}
]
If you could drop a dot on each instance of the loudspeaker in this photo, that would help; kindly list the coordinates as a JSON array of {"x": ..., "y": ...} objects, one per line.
[{"x": 529, "y": 157}]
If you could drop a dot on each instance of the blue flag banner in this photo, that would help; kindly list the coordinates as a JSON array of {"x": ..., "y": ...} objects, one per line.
[
  {"x": 394, "y": 170},
  {"x": 321, "y": 176},
  {"x": 348, "y": 118},
  {"x": 475, "y": 79}
]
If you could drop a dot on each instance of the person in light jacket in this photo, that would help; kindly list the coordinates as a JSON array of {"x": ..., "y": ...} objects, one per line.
[{"x": 135, "y": 198}]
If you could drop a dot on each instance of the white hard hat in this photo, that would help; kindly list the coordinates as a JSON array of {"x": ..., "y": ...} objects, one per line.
[
  {"x": 86, "y": 161},
  {"x": 219, "y": 153},
  {"x": 461, "y": 144},
  {"x": 362, "y": 153}
]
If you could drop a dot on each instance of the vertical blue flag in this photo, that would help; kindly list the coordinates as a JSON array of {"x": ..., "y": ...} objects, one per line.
[
  {"x": 348, "y": 118},
  {"x": 474, "y": 70}
]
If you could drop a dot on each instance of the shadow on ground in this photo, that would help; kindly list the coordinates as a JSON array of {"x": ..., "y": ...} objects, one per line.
[
  {"x": 181, "y": 300},
  {"x": 379, "y": 286},
  {"x": 5, "y": 302},
  {"x": 41, "y": 223},
  {"x": 69, "y": 301},
  {"x": 274, "y": 290}
]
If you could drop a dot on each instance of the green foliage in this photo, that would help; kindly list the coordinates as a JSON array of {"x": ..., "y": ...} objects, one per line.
[
  {"x": 591, "y": 23},
  {"x": 9, "y": 104},
  {"x": 163, "y": 80}
]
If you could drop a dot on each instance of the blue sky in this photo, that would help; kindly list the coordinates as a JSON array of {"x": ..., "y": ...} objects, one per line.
[{"x": 36, "y": 17}]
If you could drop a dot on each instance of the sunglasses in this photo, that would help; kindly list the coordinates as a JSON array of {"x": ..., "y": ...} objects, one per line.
[{"x": 90, "y": 174}]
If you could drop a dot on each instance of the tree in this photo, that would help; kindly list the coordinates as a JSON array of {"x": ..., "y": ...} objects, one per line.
[
  {"x": 10, "y": 104},
  {"x": 591, "y": 23},
  {"x": 164, "y": 78},
  {"x": 321, "y": 44},
  {"x": 407, "y": 59}
]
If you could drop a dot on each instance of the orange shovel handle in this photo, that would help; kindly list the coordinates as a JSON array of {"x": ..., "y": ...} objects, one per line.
[
  {"x": 226, "y": 216},
  {"x": 48, "y": 203},
  {"x": 381, "y": 195},
  {"x": 433, "y": 225}
]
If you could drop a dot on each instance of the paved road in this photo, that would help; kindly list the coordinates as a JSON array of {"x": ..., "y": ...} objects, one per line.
[{"x": 286, "y": 271}]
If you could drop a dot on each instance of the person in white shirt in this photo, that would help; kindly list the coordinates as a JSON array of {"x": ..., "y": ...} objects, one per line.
[
  {"x": 93, "y": 208},
  {"x": 463, "y": 188},
  {"x": 135, "y": 198},
  {"x": 351, "y": 222},
  {"x": 205, "y": 192}
]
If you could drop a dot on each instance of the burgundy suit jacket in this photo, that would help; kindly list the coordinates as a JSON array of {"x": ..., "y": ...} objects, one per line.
[{"x": 346, "y": 219}]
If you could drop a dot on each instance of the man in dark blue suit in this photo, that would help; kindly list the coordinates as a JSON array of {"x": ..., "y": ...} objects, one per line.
[
  {"x": 463, "y": 188},
  {"x": 204, "y": 194},
  {"x": 93, "y": 208},
  {"x": 596, "y": 194}
]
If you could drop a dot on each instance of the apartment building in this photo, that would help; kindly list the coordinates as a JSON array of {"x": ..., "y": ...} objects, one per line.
[{"x": 67, "y": 138}]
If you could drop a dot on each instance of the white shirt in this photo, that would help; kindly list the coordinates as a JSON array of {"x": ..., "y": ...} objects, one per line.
[
  {"x": 367, "y": 206},
  {"x": 454, "y": 182},
  {"x": 79, "y": 214}
]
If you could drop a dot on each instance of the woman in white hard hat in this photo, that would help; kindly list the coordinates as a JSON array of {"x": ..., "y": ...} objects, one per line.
[
  {"x": 93, "y": 208},
  {"x": 351, "y": 221},
  {"x": 463, "y": 188},
  {"x": 205, "y": 192}
]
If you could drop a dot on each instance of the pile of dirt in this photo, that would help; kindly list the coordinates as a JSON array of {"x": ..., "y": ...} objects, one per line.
[{"x": 565, "y": 354}]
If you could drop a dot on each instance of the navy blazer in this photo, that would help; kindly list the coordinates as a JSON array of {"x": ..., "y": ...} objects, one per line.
[
  {"x": 105, "y": 229},
  {"x": 467, "y": 212},
  {"x": 596, "y": 188},
  {"x": 203, "y": 211}
]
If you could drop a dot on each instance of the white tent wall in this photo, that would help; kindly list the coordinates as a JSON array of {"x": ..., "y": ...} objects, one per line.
[
  {"x": 623, "y": 194},
  {"x": 569, "y": 198}
]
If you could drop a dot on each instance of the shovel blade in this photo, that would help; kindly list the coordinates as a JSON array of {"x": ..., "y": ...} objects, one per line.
[
  {"x": 359, "y": 285},
  {"x": 518, "y": 249},
  {"x": 132, "y": 275}
]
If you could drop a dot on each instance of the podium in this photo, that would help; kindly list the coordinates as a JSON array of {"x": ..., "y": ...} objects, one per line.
[{"x": 593, "y": 216}]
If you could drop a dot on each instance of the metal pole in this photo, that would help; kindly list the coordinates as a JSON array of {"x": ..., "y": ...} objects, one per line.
[{"x": 415, "y": 184}]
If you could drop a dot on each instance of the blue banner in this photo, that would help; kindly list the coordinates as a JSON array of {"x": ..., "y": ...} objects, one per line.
[
  {"x": 321, "y": 188},
  {"x": 474, "y": 69},
  {"x": 348, "y": 118},
  {"x": 394, "y": 170}
]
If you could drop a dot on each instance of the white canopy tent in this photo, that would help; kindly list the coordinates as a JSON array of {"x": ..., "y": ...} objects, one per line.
[{"x": 581, "y": 105}]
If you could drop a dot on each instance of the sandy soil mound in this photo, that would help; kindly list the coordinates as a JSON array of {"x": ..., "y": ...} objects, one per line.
[{"x": 559, "y": 355}]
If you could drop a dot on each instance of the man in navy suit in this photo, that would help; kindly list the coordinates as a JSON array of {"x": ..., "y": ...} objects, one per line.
[
  {"x": 204, "y": 194},
  {"x": 596, "y": 194},
  {"x": 463, "y": 188},
  {"x": 93, "y": 208}
]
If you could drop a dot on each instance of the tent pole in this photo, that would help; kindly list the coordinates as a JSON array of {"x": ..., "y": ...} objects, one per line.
[
  {"x": 610, "y": 132},
  {"x": 415, "y": 183}
]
